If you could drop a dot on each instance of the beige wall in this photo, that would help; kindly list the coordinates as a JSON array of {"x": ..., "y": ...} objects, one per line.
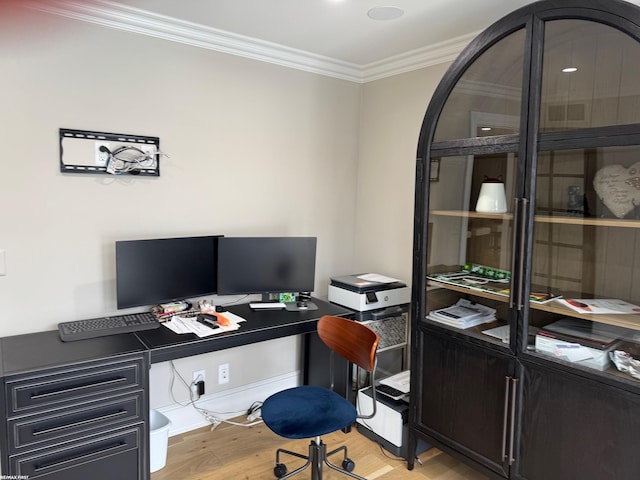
[
  {"x": 391, "y": 117},
  {"x": 255, "y": 149}
]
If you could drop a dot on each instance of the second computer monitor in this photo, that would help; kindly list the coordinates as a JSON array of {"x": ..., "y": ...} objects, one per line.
[{"x": 266, "y": 265}]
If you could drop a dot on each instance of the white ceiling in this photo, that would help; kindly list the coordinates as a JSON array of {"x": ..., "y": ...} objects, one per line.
[
  {"x": 331, "y": 37},
  {"x": 339, "y": 29}
]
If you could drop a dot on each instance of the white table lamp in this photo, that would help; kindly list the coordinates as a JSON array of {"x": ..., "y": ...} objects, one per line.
[{"x": 492, "y": 198}]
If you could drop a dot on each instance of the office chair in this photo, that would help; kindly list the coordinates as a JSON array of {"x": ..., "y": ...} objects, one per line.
[{"x": 309, "y": 411}]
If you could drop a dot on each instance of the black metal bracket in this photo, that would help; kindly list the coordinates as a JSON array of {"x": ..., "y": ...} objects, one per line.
[{"x": 81, "y": 156}]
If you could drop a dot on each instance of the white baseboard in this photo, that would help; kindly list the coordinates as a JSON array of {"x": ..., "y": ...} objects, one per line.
[{"x": 227, "y": 404}]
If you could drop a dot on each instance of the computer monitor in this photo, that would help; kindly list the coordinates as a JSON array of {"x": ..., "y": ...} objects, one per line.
[
  {"x": 150, "y": 272},
  {"x": 266, "y": 265}
]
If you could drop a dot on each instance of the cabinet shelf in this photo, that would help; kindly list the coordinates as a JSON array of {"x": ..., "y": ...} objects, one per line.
[
  {"x": 468, "y": 214},
  {"x": 599, "y": 222},
  {"x": 627, "y": 321}
]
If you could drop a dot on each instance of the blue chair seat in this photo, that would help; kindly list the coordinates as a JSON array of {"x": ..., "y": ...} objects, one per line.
[{"x": 307, "y": 412}]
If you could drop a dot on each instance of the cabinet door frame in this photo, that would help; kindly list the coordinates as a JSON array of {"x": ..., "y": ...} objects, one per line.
[
  {"x": 506, "y": 401},
  {"x": 528, "y": 143},
  {"x": 587, "y": 425}
]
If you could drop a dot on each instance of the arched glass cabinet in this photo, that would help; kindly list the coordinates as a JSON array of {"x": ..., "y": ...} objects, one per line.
[{"x": 526, "y": 283}]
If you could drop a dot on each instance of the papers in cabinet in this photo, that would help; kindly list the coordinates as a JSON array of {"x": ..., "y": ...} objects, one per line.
[
  {"x": 463, "y": 314},
  {"x": 596, "y": 306}
]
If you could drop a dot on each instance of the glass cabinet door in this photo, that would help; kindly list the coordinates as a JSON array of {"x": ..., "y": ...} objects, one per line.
[
  {"x": 474, "y": 181},
  {"x": 470, "y": 245},
  {"x": 588, "y": 253},
  {"x": 586, "y": 228}
]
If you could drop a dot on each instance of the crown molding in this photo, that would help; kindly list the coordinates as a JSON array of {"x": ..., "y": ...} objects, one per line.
[
  {"x": 121, "y": 17},
  {"x": 435, "y": 54}
]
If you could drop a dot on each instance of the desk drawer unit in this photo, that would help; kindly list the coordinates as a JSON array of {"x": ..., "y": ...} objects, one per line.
[
  {"x": 73, "y": 422},
  {"x": 44, "y": 391},
  {"x": 109, "y": 456}
]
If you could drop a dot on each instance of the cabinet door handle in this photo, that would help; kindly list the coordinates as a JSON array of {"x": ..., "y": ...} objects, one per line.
[
  {"x": 88, "y": 421},
  {"x": 514, "y": 384},
  {"x": 38, "y": 396},
  {"x": 506, "y": 416},
  {"x": 516, "y": 217},
  {"x": 523, "y": 229},
  {"x": 76, "y": 458}
]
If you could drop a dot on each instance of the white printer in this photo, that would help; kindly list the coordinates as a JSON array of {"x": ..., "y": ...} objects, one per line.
[{"x": 368, "y": 291}]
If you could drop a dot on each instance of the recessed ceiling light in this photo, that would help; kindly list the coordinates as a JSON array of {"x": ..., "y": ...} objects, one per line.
[
  {"x": 385, "y": 13},
  {"x": 486, "y": 129},
  {"x": 569, "y": 69}
]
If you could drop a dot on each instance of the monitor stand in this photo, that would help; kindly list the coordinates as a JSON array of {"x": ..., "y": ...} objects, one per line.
[{"x": 300, "y": 306}]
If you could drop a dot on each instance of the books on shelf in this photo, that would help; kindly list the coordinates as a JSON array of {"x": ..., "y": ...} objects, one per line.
[
  {"x": 478, "y": 282},
  {"x": 584, "y": 332},
  {"x": 463, "y": 314},
  {"x": 610, "y": 306}
]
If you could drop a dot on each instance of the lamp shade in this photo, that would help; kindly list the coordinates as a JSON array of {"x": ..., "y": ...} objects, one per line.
[{"x": 492, "y": 198}]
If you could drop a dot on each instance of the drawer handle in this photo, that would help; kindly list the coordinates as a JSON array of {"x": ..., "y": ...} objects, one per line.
[
  {"x": 108, "y": 416},
  {"x": 38, "y": 396},
  {"x": 46, "y": 466}
]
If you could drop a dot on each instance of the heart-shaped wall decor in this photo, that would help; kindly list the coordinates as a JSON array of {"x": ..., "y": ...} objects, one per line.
[{"x": 618, "y": 188}]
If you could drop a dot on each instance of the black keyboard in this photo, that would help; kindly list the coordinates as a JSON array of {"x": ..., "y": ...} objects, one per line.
[
  {"x": 390, "y": 391},
  {"x": 101, "y": 327}
]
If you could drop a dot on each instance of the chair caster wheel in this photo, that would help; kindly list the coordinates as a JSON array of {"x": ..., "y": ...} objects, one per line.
[
  {"x": 280, "y": 470},
  {"x": 348, "y": 465}
]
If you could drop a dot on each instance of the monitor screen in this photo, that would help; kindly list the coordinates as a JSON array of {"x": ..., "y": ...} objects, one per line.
[
  {"x": 266, "y": 265},
  {"x": 150, "y": 272}
]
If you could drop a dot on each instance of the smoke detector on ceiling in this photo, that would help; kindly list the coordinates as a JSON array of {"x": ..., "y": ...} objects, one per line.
[{"x": 385, "y": 13}]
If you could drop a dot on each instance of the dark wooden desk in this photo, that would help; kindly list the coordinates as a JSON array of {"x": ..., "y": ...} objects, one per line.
[
  {"x": 261, "y": 325},
  {"x": 91, "y": 397}
]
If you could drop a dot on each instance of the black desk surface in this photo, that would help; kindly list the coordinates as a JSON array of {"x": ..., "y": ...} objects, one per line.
[
  {"x": 36, "y": 351},
  {"x": 260, "y": 325}
]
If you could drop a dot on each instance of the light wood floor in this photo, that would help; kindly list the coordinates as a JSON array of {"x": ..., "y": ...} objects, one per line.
[{"x": 231, "y": 453}]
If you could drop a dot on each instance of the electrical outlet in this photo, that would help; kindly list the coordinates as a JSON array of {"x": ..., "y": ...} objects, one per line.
[
  {"x": 223, "y": 373},
  {"x": 149, "y": 150},
  {"x": 101, "y": 157},
  {"x": 199, "y": 375}
]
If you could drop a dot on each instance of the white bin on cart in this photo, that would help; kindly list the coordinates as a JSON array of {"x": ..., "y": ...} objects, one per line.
[{"x": 158, "y": 439}]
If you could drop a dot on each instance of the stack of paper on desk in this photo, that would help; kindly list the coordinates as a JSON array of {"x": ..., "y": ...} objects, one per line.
[
  {"x": 463, "y": 314},
  {"x": 180, "y": 324}
]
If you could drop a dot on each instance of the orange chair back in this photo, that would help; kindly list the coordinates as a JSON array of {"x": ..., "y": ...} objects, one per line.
[{"x": 350, "y": 339}]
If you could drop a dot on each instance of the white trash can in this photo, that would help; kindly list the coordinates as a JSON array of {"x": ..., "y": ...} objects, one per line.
[{"x": 158, "y": 439}]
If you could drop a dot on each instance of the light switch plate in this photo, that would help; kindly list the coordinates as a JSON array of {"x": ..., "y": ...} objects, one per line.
[{"x": 3, "y": 264}]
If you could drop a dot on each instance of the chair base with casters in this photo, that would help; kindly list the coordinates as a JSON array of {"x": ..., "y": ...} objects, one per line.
[
  {"x": 310, "y": 411},
  {"x": 317, "y": 458}
]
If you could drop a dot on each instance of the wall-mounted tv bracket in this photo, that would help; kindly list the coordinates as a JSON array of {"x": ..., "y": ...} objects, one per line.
[{"x": 82, "y": 151}]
